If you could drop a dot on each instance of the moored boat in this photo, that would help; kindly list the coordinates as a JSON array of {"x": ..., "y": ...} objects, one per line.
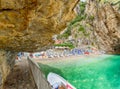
[{"x": 57, "y": 81}]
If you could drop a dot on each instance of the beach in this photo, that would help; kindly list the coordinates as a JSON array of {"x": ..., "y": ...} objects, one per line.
[
  {"x": 81, "y": 58},
  {"x": 95, "y": 72}
]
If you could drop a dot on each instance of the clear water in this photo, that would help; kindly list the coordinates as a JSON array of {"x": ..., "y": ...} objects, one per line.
[{"x": 102, "y": 72}]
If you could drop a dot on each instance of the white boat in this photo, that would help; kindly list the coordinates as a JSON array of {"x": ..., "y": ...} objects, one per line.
[{"x": 55, "y": 79}]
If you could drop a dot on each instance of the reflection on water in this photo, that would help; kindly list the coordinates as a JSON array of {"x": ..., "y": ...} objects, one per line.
[
  {"x": 101, "y": 74},
  {"x": 46, "y": 69}
]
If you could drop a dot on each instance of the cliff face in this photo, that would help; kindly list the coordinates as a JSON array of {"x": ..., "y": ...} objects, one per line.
[
  {"x": 6, "y": 63},
  {"x": 106, "y": 25},
  {"x": 98, "y": 25},
  {"x": 28, "y": 25}
]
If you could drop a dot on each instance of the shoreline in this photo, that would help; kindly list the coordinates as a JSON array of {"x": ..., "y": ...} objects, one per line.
[{"x": 69, "y": 58}]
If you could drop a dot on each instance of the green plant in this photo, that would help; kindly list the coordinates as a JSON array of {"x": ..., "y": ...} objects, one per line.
[
  {"x": 82, "y": 7},
  {"x": 77, "y": 19},
  {"x": 76, "y": 35},
  {"x": 70, "y": 45},
  {"x": 91, "y": 18},
  {"x": 81, "y": 28},
  {"x": 67, "y": 33}
]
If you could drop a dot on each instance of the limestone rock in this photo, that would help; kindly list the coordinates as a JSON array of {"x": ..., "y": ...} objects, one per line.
[
  {"x": 6, "y": 63},
  {"x": 106, "y": 24},
  {"x": 102, "y": 31},
  {"x": 28, "y": 25}
]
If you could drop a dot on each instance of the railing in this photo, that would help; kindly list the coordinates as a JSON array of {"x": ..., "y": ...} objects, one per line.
[{"x": 38, "y": 76}]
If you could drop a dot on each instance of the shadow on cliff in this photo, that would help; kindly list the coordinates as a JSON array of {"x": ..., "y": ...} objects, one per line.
[{"x": 117, "y": 48}]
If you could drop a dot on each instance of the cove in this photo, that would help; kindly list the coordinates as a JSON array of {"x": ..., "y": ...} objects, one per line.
[{"x": 87, "y": 72}]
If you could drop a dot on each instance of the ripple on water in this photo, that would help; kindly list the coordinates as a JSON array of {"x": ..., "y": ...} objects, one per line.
[{"x": 100, "y": 72}]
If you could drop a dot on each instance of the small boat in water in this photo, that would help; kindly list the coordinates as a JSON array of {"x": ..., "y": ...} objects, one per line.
[{"x": 57, "y": 81}]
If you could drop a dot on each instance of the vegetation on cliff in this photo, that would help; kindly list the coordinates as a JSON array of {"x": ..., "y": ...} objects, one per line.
[
  {"x": 95, "y": 26},
  {"x": 70, "y": 45}
]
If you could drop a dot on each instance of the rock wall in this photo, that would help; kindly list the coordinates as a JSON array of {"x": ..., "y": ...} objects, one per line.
[
  {"x": 39, "y": 78},
  {"x": 28, "y": 25},
  {"x": 6, "y": 63},
  {"x": 98, "y": 25},
  {"x": 106, "y": 24}
]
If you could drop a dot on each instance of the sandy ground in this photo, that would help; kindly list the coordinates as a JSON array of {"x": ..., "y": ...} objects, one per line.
[
  {"x": 82, "y": 58},
  {"x": 20, "y": 77}
]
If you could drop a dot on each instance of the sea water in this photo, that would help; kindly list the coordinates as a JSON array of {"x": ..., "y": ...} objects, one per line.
[{"x": 99, "y": 72}]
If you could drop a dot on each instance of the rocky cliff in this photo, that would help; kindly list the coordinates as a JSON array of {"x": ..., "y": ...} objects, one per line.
[
  {"x": 106, "y": 24},
  {"x": 6, "y": 63},
  {"x": 97, "y": 25},
  {"x": 28, "y": 25}
]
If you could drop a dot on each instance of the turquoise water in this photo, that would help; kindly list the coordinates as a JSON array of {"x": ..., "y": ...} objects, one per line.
[{"x": 101, "y": 73}]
